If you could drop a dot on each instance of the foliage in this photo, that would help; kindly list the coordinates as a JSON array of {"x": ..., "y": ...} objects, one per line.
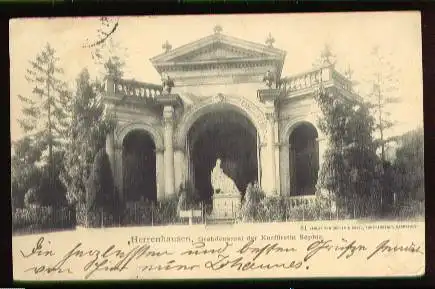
[
  {"x": 165, "y": 211},
  {"x": 44, "y": 120},
  {"x": 36, "y": 219},
  {"x": 85, "y": 136},
  {"x": 250, "y": 207},
  {"x": 351, "y": 168},
  {"x": 409, "y": 167},
  {"x": 31, "y": 198},
  {"x": 382, "y": 96},
  {"x": 138, "y": 213},
  {"x": 100, "y": 186},
  {"x": 188, "y": 197}
]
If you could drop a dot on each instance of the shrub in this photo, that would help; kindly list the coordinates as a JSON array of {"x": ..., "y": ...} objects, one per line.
[
  {"x": 251, "y": 206},
  {"x": 165, "y": 211},
  {"x": 413, "y": 209},
  {"x": 34, "y": 219},
  {"x": 138, "y": 213},
  {"x": 273, "y": 209},
  {"x": 32, "y": 198},
  {"x": 188, "y": 197},
  {"x": 100, "y": 186}
]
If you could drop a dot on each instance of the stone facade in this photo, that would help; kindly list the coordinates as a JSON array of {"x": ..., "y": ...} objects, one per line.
[{"x": 220, "y": 73}]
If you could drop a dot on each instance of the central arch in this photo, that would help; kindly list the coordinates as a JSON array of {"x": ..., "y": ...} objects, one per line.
[{"x": 226, "y": 134}]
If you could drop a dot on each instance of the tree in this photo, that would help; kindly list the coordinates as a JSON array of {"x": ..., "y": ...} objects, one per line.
[
  {"x": 86, "y": 136},
  {"x": 382, "y": 96},
  {"x": 25, "y": 174},
  {"x": 44, "y": 118},
  {"x": 350, "y": 168},
  {"x": 409, "y": 167},
  {"x": 100, "y": 185}
]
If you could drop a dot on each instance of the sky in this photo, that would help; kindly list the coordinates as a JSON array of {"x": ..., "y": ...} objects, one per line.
[{"x": 350, "y": 35}]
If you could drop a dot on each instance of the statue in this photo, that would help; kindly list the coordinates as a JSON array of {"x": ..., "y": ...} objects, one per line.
[
  {"x": 221, "y": 183},
  {"x": 167, "y": 83}
]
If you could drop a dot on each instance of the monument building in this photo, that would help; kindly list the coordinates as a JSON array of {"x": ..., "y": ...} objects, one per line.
[{"x": 221, "y": 98}]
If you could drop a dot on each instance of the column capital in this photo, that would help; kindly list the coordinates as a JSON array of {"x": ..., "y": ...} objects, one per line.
[
  {"x": 159, "y": 150},
  {"x": 168, "y": 114},
  {"x": 271, "y": 115}
]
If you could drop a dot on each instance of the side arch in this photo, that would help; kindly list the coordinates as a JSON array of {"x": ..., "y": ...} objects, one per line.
[
  {"x": 286, "y": 162},
  {"x": 154, "y": 132}
]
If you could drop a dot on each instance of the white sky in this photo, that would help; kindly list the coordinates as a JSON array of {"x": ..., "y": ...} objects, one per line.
[{"x": 350, "y": 35}]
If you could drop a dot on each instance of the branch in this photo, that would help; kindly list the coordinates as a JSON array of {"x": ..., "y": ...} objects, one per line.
[{"x": 106, "y": 35}]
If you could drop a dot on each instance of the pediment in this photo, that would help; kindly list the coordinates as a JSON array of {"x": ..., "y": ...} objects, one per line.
[
  {"x": 219, "y": 51},
  {"x": 217, "y": 47}
]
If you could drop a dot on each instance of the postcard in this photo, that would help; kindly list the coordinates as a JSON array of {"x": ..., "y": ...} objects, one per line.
[{"x": 217, "y": 146}]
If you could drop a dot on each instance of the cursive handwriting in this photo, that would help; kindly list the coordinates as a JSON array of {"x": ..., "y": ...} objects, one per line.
[
  {"x": 266, "y": 249},
  {"x": 385, "y": 246},
  {"x": 170, "y": 265},
  {"x": 199, "y": 249},
  {"x": 240, "y": 264},
  {"x": 38, "y": 250},
  {"x": 347, "y": 250}
]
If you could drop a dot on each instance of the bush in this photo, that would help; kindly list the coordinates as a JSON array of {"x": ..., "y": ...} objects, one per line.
[
  {"x": 165, "y": 211},
  {"x": 413, "y": 209},
  {"x": 100, "y": 186},
  {"x": 188, "y": 197},
  {"x": 32, "y": 198},
  {"x": 251, "y": 206},
  {"x": 34, "y": 219},
  {"x": 138, "y": 213}
]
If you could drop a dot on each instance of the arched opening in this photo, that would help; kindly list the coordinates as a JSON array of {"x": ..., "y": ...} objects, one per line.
[
  {"x": 139, "y": 167},
  {"x": 304, "y": 160},
  {"x": 229, "y": 136}
]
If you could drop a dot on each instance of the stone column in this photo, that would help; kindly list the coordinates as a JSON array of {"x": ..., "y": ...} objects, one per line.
[
  {"x": 168, "y": 117},
  {"x": 179, "y": 168},
  {"x": 271, "y": 150},
  {"x": 277, "y": 157},
  {"x": 285, "y": 168},
  {"x": 160, "y": 176}
]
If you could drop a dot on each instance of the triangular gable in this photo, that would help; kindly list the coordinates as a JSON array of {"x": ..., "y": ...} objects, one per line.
[{"x": 217, "y": 47}]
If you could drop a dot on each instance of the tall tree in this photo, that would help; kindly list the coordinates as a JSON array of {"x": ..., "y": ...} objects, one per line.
[
  {"x": 350, "y": 168},
  {"x": 44, "y": 117},
  {"x": 409, "y": 167},
  {"x": 86, "y": 135},
  {"x": 383, "y": 84}
]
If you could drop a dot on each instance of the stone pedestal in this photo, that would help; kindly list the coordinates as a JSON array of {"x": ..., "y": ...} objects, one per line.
[{"x": 226, "y": 206}]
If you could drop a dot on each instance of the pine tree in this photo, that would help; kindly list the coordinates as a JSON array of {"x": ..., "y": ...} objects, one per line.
[
  {"x": 86, "y": 135},
  {"x": 381, "y": 97},
  {"x": 44, "y": 118}
]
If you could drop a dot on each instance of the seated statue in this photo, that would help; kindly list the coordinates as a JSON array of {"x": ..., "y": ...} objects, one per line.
[{"x": 221, "y": 183}]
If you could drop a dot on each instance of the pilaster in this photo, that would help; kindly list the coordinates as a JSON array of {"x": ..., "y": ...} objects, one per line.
[{"x": 168, "y": 118}]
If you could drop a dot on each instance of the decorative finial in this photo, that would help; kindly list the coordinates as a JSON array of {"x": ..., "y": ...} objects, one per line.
[
  {"x": 270, "y": 40},
  {"x": 217, "y": 29},
  {"x": 269, "y": 78},
  {"x": 166, "y": 46},
  {"x": 167, "y": 83}
]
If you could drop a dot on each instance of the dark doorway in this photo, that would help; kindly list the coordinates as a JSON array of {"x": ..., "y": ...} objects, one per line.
[
  {"x": 229, "y": 136},
  {"x": 139, "y": 167},
  {"x": 304, "y": 160}
]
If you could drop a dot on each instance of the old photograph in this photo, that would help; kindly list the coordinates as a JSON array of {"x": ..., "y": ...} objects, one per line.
[{"x": 124, "y": 128}]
